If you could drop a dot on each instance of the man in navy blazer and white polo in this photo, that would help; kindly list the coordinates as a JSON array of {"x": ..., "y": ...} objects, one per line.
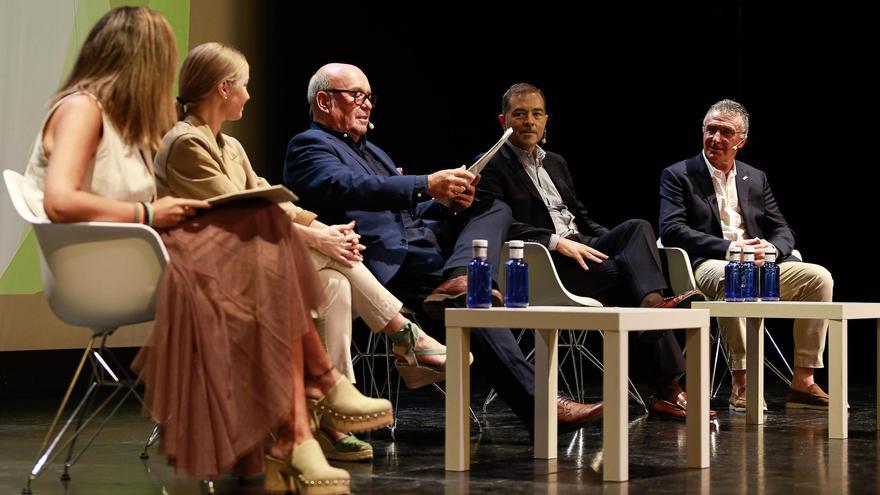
[
  {"x": 712, "y": 202},
  {"x": 417, "y": 246}
]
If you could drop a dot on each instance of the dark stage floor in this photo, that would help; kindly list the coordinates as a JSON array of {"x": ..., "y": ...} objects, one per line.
[{"x": 790, "y": 454}]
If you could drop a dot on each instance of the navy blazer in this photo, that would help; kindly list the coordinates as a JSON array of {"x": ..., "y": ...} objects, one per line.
[
  {"x": 332, "y": 180},
  {"x": 506, "y": 179},
  {"x": 689, "y": 216}
]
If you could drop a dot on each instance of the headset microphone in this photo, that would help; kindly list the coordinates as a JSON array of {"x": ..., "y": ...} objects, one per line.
[
  {"x": 741, "y": 141},
  {"x": 371, "y": 126}
]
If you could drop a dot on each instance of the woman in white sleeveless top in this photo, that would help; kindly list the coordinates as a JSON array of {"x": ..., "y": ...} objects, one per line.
[
  {"x": 101, "y": 156},
  {"x": 116, "y": 171},
  {"x": 223, "y": 368}
]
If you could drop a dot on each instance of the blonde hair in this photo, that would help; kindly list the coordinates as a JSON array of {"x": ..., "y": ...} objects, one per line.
[
  {"x": 204, "y": 68},
  {"x": 128, "y": 63}
]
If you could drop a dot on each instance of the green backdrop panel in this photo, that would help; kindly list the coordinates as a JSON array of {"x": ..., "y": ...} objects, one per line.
[{"x": 22, "y": 276}]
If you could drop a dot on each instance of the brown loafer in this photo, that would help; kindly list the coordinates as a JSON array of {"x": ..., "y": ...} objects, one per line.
[
  {"x": 671, "y": 409},
  {"x": 682, "y": 300},
  {"x": 572, "y": 415},
  {"x": 816, "y": 398},
  {"x": 453, "y": 294},
  {"x": 737, "y": 401}
]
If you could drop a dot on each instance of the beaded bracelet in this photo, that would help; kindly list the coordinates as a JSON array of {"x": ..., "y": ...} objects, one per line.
[{"x": 148, "y": 208}]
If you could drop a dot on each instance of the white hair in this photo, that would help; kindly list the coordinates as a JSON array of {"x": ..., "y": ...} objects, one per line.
[
  {"x": 320, "y": 81},
  {"x": 730, "y": 107}
]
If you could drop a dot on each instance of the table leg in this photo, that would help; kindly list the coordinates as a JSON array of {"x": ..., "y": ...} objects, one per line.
[
  {"x": 837, "y": 380},
  {"x": 755, "y": 375},
  {"x": 615, "y": 436},
  {"x": 838, "y": 466},
  {"x": 458, "y": 398},
  {"x": 546, "y": 377},
  {"x": 698, "y": 397}
]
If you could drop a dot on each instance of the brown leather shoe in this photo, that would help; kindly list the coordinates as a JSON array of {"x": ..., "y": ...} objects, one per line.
[
  {"x": 682, "y": 300},
  {"x": 675, "y": 408},
  {"x": 816, "y": 398},
  {"x": 453, "y": 294},
  {"x": 737, "y": 401},
  {"x": 572, "y": 415}
]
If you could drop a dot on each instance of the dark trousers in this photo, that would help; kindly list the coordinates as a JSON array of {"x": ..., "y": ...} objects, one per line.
[
  {"x": 484, "y": 220},
  {"x": 631, "y": 272},
  {"x": 497, "y": 357}
]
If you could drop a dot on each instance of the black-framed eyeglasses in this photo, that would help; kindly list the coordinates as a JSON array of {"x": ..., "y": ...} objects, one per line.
[
  {"x": 726, "y": 132},
  {"x": 359, "y": 96}
]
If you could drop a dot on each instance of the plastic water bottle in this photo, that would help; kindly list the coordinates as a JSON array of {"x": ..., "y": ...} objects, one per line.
[
  {"x": 479, "y": 282},
  {"x": 733, "y": 276},
  {"x": 749, "y": 275},
  {"x": 770, "y": 277},
  {"x": 517, "y": 295}
]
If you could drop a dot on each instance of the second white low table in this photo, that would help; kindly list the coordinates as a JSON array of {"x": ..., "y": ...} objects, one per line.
[
  {"x": 616, "y": 323},
  {"x": 837, "y": 314}
]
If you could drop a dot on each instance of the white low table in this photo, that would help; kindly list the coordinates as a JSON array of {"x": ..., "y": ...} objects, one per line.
[
  {"x": 838, "y": 313},
  {"x": 546, "y": 320}
]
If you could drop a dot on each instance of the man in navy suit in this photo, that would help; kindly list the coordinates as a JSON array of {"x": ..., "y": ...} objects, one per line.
[
  {"x": 619, "y": 266},
  {"x": 418, "y": 247},
  {"x": 712, "y": 202}
]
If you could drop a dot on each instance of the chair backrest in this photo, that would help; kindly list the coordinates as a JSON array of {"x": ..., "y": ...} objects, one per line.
[
  {"x": 677, "y": 268},
  {"x": 545, "y": 287},
  {"x": 99, "y": 275},
  {"x": 15, "y": 186}
]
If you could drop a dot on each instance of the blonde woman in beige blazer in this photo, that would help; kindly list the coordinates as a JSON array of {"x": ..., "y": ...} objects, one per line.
[{"x": 196, "y": 160}]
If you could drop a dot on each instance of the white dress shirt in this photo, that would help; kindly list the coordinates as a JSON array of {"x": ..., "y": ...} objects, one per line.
[
  {"x": 563, "y": 219},
  {"x": 732, "y": 226}
]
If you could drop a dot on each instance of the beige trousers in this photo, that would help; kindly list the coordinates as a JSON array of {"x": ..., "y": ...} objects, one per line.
[
  {"x": 349, "y": 289},
  {"x": 797, "y": 282}
]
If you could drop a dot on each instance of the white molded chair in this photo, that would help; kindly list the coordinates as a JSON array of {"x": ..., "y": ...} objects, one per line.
[
  {"x": 680, "y": 275},
  {"x": 546, "y": 289},
  {"x": 99, "y": 275},
  {"x": 545, "y": 286}
]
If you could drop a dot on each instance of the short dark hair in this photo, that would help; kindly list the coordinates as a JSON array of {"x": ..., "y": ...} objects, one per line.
[{"x": 516, "y": 90}]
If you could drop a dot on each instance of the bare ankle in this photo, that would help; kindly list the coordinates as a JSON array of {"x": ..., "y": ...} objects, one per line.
[
  {"x": 738, "y": 379},
  {"x": 802, "y": 378},
  {"x": 321, "y": 383},
  {"x": 282, "y": 448},
  {"x": 394, "y": 325},
  {"x": 301, "y": 436}
]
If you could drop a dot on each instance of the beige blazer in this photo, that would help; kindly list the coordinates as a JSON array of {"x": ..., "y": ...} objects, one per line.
[{"x": 192, "y": 164}]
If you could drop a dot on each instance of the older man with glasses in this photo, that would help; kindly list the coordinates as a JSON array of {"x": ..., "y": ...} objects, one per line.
[
  {"x": 712, "y": 202},
  {"x": 417, "y": 247}
]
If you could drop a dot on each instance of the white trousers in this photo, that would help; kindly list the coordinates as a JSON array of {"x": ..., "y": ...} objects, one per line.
[{"x": 349, "y": 289}]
